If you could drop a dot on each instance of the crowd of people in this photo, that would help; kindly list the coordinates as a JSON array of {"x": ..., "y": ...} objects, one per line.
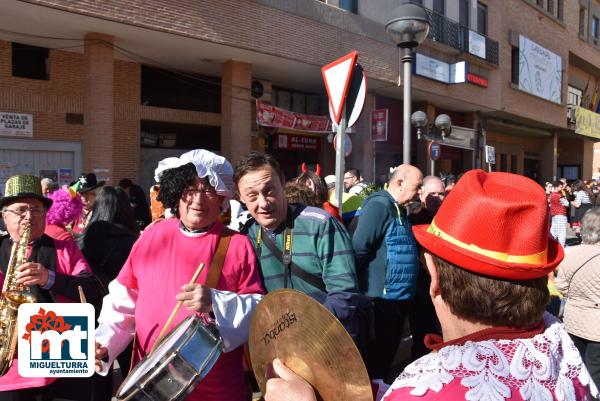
[{"x": 471, "y": 270}]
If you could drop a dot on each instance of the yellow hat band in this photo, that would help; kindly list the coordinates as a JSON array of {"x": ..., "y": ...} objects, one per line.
[{"x": 539, "y": 258}]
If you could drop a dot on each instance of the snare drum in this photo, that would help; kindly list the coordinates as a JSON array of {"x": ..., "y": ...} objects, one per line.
[{"x": 181, "y": 360}]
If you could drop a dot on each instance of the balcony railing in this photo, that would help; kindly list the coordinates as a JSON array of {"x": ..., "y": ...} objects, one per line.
[{"x": 451, "y": 33}]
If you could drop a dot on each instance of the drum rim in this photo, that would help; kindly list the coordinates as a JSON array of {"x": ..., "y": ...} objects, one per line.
[{"x": 146, "y": 377}]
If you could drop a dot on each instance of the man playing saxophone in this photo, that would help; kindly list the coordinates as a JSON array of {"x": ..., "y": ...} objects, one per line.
[{"x": 51, "y": 273}]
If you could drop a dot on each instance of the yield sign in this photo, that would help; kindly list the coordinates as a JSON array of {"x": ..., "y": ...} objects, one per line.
[{"x": 337, "y": 76}]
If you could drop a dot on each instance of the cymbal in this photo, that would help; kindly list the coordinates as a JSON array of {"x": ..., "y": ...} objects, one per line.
[{"x": 295, "y": 328}]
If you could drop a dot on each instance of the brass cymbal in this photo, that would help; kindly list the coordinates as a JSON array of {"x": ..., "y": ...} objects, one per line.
[{"x": 295, "y": 328}]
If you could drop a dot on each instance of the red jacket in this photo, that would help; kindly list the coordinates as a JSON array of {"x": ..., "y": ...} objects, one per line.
[{"x": 557, "y": 208}]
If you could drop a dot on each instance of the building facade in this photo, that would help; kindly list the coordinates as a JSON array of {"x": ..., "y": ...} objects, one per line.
[{"x": 113, "y": 86}]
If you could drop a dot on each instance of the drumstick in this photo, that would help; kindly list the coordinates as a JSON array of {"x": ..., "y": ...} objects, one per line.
[
  {"x": 81, "y": 294},
  {"x": 170, "y": 319}
]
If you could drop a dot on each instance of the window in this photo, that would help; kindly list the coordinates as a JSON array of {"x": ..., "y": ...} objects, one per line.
[
  {"x": 514, "y": 65},
  {"x": 540, "y": 3},
  {"x": 299, "y": 102},
  {"x": 550, "y": 6},
  {"x": 349, "y": 5},
  {"x": 574, "y": 96},
  {"x": 183, "y": 91},
  {"x": 30, "y": 61},
  {"x": 582, "y": 21},
  {"x": 560, "y": 9},
  {"x": 463, "y": 12},
  {"x": 513, "y": 164},
  {"x": 161, "y": 134},
  {"x": 481, "y": 18},
  {"x": 439, "y": 6},
  {"x": 595, "y": 27},
  {"x": 503, "y": 162}
]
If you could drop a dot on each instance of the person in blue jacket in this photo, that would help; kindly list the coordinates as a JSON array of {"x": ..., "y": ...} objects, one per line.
[{"x": 387, "y": 263}]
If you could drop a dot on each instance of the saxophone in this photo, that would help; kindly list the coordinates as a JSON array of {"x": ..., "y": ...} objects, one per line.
[{"x": 13, "y": 295}]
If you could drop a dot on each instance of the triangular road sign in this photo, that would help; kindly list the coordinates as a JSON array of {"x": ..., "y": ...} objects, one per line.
[{"x": 337, "y": 77}]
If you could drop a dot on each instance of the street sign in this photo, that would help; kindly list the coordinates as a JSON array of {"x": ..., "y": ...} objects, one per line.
[
  {"x": 435, "y": 150},
  {"x": 347, "y": 145},
  {"x": 337, "y": 76},
  {"x": 490, "y": 154},
  {"x": 355, "y": 98}
]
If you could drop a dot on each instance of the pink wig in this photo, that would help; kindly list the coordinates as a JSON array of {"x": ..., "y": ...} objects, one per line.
[{"x": 65, "y": 208}]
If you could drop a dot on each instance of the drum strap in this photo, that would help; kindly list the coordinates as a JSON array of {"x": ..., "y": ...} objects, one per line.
[{"x": 216, "y": 265}]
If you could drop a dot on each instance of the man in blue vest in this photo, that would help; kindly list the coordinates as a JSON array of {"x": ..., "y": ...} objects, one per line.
[{"x": 387, "y": 263}]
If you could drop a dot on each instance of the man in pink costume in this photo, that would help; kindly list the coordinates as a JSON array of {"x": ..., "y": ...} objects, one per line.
[
  {"x": 488, "y": 253},
  {"x": 164, "y": 259}
]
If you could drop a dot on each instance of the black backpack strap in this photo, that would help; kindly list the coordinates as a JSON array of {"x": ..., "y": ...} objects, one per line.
[{"x": 299, "y": 272}]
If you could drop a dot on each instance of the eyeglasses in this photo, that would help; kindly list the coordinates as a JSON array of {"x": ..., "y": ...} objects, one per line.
[
  {"x": 22, "y": 211},
  {"x": 190, "y": 193}
]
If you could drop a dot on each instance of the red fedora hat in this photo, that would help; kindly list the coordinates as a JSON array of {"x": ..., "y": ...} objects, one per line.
[{"x": 494, "y": 224}]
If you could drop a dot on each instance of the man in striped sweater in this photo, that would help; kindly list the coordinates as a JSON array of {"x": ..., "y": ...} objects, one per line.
[{"x": 298, "y": 246}]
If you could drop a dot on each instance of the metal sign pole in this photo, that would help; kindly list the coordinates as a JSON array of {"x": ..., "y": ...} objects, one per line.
[
  {"x": 432, "y": 167},
  {"x": 339, "y": 159}
]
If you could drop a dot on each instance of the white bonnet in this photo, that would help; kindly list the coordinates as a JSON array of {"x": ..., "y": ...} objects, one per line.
[{"x": 208, "y": 164}]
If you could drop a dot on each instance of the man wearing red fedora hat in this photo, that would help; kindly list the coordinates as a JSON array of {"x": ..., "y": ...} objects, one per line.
[{"x": 488, "y": 253}]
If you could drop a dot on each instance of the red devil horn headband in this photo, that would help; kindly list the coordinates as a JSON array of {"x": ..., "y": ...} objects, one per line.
[{"x": 304, "y": 169}]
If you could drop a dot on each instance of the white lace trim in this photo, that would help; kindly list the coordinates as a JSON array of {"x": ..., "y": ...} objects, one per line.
[{"x": 542, "y": 368}]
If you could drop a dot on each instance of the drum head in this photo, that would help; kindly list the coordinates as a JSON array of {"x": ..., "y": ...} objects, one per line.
[{"x": 151, "y": 361}]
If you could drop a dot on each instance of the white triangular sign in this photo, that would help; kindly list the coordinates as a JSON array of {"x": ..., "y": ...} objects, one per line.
[{"x": 337, "y": 77}]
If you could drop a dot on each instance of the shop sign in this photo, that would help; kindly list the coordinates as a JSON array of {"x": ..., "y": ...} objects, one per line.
[
  {"x": 477, "y": 80},
  {"x": 297, "y": 142},
  {"x": 490, "y": 154},
  {"x": 540, "y": 71},
  {"x": 477, "y": 44},
  {"x": 16, "y": 124},
  {"x": 438, "y": 70},
  {"x": 271, "y": 116},
  {"x": 379, "y": 125},
  {"x": 65, "y": 176},
  {"x": 587, "y": 122}
]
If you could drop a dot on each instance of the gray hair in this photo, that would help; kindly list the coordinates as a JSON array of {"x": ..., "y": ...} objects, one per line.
[
  {"x": 47, "y": 181},
  {"x": 590, "y": 226}
]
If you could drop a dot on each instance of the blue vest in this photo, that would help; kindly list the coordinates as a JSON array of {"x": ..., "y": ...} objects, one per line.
[{"x": 403, "y": 261}]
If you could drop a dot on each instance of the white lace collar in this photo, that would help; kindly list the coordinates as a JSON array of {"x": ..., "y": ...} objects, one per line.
[{"x": 542, "y": 368}]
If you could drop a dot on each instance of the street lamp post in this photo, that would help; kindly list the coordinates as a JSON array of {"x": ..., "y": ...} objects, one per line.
[
  {"x": 439, "y": 130},
  {"x": 408, "y": 27}
]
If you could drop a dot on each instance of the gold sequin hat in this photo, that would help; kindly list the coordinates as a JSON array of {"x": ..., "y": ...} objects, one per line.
[{"x": 23, "y": 186}]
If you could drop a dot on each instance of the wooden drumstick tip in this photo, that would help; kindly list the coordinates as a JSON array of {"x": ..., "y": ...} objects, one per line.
[
  {"x": 163, "y": 332},
  {"x": 81, "y": 295}
]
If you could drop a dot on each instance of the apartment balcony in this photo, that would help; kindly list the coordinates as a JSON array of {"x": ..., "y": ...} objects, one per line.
[{"x": 451, "y": 33}]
